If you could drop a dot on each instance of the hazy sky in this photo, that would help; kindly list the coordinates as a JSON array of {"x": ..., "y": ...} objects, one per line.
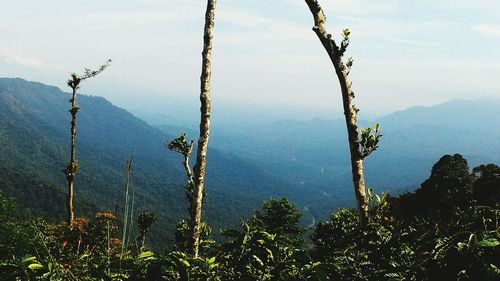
[{"x": 265, "y": 53}]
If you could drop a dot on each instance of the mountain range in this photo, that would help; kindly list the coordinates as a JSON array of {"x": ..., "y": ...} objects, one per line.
[
  {"x": 314, "y": 154},
  {"x": 307, "y": 161},
  {"x": 34, "y": 138}
]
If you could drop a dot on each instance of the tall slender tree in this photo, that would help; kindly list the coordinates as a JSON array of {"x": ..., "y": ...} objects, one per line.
[
  {"x": 72, "y": 167},
  {"x": 205, "y": 109},
  {"x": 182, "y": 146},
  {"x": 364, "y": 141},
  {"x": 127, "y": 213}
]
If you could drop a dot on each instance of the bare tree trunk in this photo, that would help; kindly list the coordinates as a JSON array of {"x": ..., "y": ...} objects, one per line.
[
  {"x": 190, "y": 187},
  {"x": 350, "y": 111},
  {"x": 126, "y": 214},
  {"x": 201, "y": 155},
  {"x": 142, "y": 239},
  {"x": 72, "y": 166},
  {"x": 185, "y": 163}
]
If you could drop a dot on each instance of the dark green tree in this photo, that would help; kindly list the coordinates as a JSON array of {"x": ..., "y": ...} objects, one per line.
[
  {"x": 279, "y": 217},
  {"x": 487, "y": 184},
  {"x": 144, "y": 222},
  {"x": 268, "y": 247},
  {"x": 332, "y": 236},
  {"x": 448, "y": 186}
]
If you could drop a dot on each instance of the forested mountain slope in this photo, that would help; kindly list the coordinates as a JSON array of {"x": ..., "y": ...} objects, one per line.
[{"x": 34, "y": 148}]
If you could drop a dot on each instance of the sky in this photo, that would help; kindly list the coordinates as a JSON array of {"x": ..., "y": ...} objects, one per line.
[{"x": 266, "y": 58}]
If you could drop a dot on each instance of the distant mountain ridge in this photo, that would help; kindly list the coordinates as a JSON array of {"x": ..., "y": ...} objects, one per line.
[
  {"x": 475, "y": 115},
  {"x": 315, "y": 152}
]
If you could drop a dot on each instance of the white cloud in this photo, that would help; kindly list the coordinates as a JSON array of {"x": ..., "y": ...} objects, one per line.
[
  {"x": 244, "y": 18},
  {"x": 361, "y": 7},
  {"x": 17, "y": 57},
  {"x": 130, "y": 18},
  {"x": 352, "y": 7},
  {"x": 261, "y": 54},
  {"x": 186, "y": 4},
  {"x": 99, "y": 22},
  {"x": 409, "y": 42},
  {"x": 487, "y": 29}
]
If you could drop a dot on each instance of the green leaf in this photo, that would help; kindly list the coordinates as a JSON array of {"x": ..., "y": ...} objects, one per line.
[
  {"x": 488, "y": 243},
  {"x": 146, "y": 254},
  {"x": 346, "y": 33},
  {"x": 270, "y": 253},
  {"x": 185, "y": 262},
  {"x": 83, "y": 256},
  {"x": 35, "y": 266},
  {"x": 28, "y": 259},
  {"x": 119, "y": 276},
  {"x": 349, "y": 62},
  {"x": 258, "y": 260},
  {"x": 494, "y": 268}
]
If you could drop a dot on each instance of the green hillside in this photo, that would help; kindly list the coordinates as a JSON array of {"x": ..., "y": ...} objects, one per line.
[{"x": 34, "y": 133}]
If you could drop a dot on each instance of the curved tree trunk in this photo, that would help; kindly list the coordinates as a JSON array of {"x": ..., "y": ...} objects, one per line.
[
  {"x": 201, "y": 155},
  {"x": 350, "y": 111}
]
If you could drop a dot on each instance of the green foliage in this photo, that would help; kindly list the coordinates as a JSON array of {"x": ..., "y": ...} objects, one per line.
[
  {"x": 181, "y": 145},
  {"x": 345, "y": 34},
  {"x": 331, "y": 236},
  {"x": 254, "y": 254},
  {"x": 469, "y": 250},
  {"x": 349, "y": 62},
  {"x": 268, "y": 247},
  {"x": 450, "y": 181},
  {"x": 76, "y": 79},
  {"x": 345, "y": 41},
  {"x": 183, "y": 237},
  {"x": 462, "y": 246},
  {"x": 348, "y": 65},
  {"x": 144, "y": 222},
  {"x": 412, "y": 249},
  {"x": 279, "y": 217},
  {"x": 448, "y": 188},
  {"x": 369, "y": 139},
  {"x": 410, "y": 238},
  {"x": 487, "y": 184}
]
